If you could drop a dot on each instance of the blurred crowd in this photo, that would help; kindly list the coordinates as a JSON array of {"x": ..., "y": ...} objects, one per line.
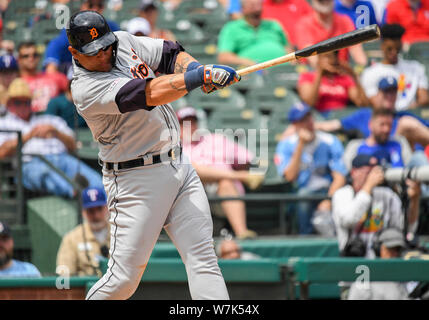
[{"x": 384, "y": 98}]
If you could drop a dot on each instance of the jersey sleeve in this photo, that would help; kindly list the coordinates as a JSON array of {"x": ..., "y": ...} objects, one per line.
[
  {"x": 148, "y": 49},
  {"x": 94, "y": 96}
]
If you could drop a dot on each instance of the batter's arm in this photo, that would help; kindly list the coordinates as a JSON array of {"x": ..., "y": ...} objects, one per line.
[
  {"x": 165, "y": 89},
  {"x": 183, "y": 60}
]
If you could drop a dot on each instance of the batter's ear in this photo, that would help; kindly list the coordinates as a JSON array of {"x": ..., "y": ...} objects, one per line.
[{"x": 73, "y": 52}]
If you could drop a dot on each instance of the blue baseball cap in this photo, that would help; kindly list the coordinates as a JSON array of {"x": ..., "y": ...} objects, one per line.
[
  {"x": 93, "y": 197},
  {"x": 363, "y": 159},
  {"x": 298, "y": 111},
  {"x": 387, "y": 83},
  {"x": 8, "y": 62}
]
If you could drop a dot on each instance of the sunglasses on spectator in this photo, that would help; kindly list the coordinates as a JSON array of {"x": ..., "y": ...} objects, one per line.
[
  {"x": 21, "y": 103},
  {"x": 25, "y": 56},
  {"x": 92, "y": 54}
]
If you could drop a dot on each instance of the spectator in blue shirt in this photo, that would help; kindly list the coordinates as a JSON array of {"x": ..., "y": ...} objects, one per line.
[
  {"x": 313, "y": 161},
  {"x": 405, "y": 123},
  {"x": 389, "y": 151},
  {"x": 361, "y": 12},
  {"x": 8, "y": 266},
  {"x": 57, "y": 55}
]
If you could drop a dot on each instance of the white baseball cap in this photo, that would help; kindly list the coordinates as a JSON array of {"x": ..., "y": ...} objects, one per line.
[{"x": 139, "y": 24}]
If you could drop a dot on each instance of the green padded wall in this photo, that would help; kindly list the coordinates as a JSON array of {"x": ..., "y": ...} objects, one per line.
[{"x": 49, "y": 219}]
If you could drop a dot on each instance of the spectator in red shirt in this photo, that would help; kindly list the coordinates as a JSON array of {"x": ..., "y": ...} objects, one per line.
[
  {"x": 332, "y": 85},
  {"x": 413, "y": 15},
  {"x": 44, "y": 86},
  {"x": 323, "y": 23},
  {"x": 286, "y": 12}
]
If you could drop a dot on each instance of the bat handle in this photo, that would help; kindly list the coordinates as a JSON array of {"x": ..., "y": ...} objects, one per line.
[{"x": 263, "y": 65}]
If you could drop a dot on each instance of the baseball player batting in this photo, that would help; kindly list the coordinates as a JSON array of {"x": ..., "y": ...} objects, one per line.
[{"x": 149, "y": 183}]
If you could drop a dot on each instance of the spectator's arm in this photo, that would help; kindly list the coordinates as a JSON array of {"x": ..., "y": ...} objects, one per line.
[
  {"x": 291, "y": 171},
  {"x": 51, "y": 67},
  {"x": 8, "y": 148},
  {"x": 413, "y": 213},
  {"x": 349, "y": 208},
  {"x": 358, "y": 55},
  {"x": 338, "y": 181},
  {"x": 328, "y": 126},
  {"x": 228, "y": 48},
  {"x": 309, "y": 91},
  {"x": 68, "y": 141},
  {"x": 422, "y": 98}
]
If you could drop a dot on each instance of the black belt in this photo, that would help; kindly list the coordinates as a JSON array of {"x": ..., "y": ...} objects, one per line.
[{"x": 173, "y": 154}]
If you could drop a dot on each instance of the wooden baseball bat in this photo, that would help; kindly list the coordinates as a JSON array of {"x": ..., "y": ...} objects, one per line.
[{"x": 357, "y": 36}]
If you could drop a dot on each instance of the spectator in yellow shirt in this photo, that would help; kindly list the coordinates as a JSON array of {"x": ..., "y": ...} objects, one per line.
[{"x": 83, "y": 247}]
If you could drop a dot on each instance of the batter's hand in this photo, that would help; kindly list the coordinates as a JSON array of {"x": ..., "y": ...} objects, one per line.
[
  {"x": 219, "y": 76},
  {"x": 208, "y": 88}
]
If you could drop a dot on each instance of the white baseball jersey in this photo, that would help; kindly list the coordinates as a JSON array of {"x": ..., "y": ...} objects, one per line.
[{"x": 125, "y": 136}]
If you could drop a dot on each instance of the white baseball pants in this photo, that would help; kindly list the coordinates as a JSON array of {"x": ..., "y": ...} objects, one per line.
[{"x": 141, "y": 202}]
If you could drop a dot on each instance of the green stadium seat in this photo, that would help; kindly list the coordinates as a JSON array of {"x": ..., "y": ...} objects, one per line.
[
  {"x": 205, "y": 53},
  {"x": 225, "y": 99},
  {"x": 87, "y": 148},
  {"x": 234, "y": 119},
  {"x": 49, "y": 219},
  {"x": 419, "y": 51},
  {"x": 270, "y": 98},
  {"x": 187, "y": 32},
  {"x": 284, "y": 75},
  {"x": 341, "y": 113}
]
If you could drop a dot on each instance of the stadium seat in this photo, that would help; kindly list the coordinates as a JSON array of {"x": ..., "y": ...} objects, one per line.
[
  {"x": 269, "y": 98},
  {"x": 419, "y": 51},
  {"x": 340, "y": 113},
  {"x": 225, "y": 99},
  {"x": 284, "y": 75},
  {"x": 86, "y": 146},
  {"x": 205, "y": 53}
]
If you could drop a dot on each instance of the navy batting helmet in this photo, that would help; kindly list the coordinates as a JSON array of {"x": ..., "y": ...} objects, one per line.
[{"x": 88, "y": 32}]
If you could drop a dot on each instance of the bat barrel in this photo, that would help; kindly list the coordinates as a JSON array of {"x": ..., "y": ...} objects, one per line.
[{"x": 352, "y": 38}]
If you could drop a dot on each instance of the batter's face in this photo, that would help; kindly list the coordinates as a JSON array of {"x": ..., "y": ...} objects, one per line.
[{"x": 101, "y": 62}]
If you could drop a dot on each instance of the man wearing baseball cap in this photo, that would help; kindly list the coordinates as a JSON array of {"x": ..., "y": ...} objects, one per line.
[
  {"x": 364, "y": 208},
  {"x": 405, "y": 123},
  {"x": 222, "y": 166},
  {"x": 10, "y": 267},
  {"x": 147, "y": 21},
  {"x": 312, "y": 161},
  {"x": 83, "y": 247}
]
